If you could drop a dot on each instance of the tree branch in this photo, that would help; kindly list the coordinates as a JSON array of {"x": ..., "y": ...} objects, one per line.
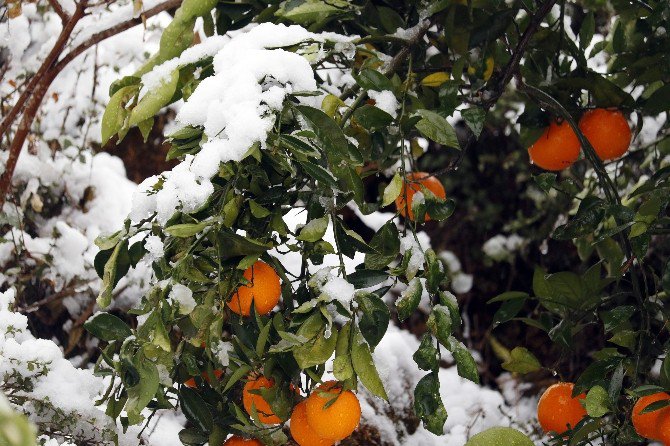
[
  {"x": 513, "y": 64},
  {"x": 58, "y": 8},
  {"x": 114, "y": 30},
  {"x": 32, "y": 96}
]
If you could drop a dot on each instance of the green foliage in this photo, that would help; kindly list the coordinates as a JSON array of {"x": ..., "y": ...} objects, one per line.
[{"x": 324, "y": 159}]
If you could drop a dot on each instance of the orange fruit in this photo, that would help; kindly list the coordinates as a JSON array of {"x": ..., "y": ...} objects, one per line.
[
  {"x": 558, "y": 411},
  {"x": 415, "y": 182},
  {"x": 663, "y": 427},
  {"x": 341, "y": 417},
  {"x": 557, "y": 148},
  {"x": 263, "y": 289},
  {"x": 249, "y": 400},
  {"x": 191, "y": 381},
  {"x": 607, "y": 131},
  {"x": 236, "y": 440},
  {"x": 647, "y": 424},
  {"x": 301, "y": 432}
]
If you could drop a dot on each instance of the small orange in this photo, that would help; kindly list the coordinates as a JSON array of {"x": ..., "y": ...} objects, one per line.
[
  {"x": 249, "y": 400},
  {"x": 236, "y": 440},
  {"x": 264, "y": 289},
  {"x": 415, "y": 182},
  {"x": 191, "y": 381},
  {"x": 663, "y": 433},
  {"x": 341, "y": 417},
  {"x": 647, "y": 424},
  {"x": 301, "y": 432},
  {"x": 607, "y": 131},
  {"x": 558, "y": 411},
  {"x": 557, "y": 148}
]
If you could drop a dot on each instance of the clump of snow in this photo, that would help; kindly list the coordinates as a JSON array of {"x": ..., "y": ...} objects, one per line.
[
  {"x": 501, "y": 247},
  {"x": 236, "y": 106},
  {"x": 386, "y": 101},
  {"x": 332, "y": 287},
  {"x": 222, "y": 351},
  {"x": 409, "y": 246},
  {"x": 183, "y": 296}
]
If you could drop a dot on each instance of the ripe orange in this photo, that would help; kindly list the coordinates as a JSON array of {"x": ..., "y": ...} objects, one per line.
[
  {"x": 301, "y": 432},
  {"x": 415, "y": 182},
  {"x": 557, "y": 148},
  {"x": 664, "y": 426},
  {"x": 647, "y": 424},
  {"x": 341, "y": 417},
  {"x": 607, "y": 131},
  {"x": 239, "y": 441},
  {"x": 263, "y": 289},
  {"x": 249, "y": 400},
  {"x": 558, "y": 411},
  {"x": 191, "y": 381}
]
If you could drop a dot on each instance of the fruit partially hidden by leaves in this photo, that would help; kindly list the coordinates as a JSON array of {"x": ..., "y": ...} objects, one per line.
[
  {"x": 416, "y": 182},
  {"x": 249, "y": 400},
  {"x": 239, "y": 441},
  {"x": 263, "y": 289},
  {"x": 607, "y": 131},
  {"x": 191, "y": 381},
  {"x": 497, "y": 436},
  {"x": 332, "y": 412},
  {"x": 302, "y": 432},
  {"x": 647, "y": 424},
  {"x": 664, "y": 426},
  {"x": 558, "y": 411},
  {"x": 557, "y": 148}
]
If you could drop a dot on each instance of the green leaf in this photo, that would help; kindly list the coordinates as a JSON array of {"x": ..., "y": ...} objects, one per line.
[
  {"x": 385, "y": 246},
  {"x": 107, "y": 327},
  {"x": 392, "y": 190},
  {"x": 587, "y": 30},
  {"x": 143, "y": 392},
  {"x": 184, "y": 230},
  {"x": 545, "y": 180},
  {"x": 370, "y": 79},
  {"x": 364, "y": 366},
  {"x": 374, "y": 319},
  {"x": 409, "y": 299},
  {"x": 114, "y": 117},
  {"x": 597, "y": 402},
  {"x": 327, "y": 131},
  {"x": 235, "y": 245},
  {"x": 319, "y": 348},
  {"x": 427, "y": 357},
  {"x": 257, "y": 210},
  {"x": 465, "y": 363},
  {"x": 306, "y": 12},
  {"x": 109, "y": 278},
  {"x": 319, "y": 174},
  {"x": 366, "y": 278},
  {"x": 509, "y": 295},
  {"x": 474, "y": 118},
  {"x": 372, "y": 118},
  {"x": 659, "y": 101},
  {"x": 499, "y": 436},
  {"x": 154, "y": 100},
  {"x": 436, "y": 128},
  {"x": 428, "y": 404},
  {"x": 314, "y": 230},
  {"x": 195, "y": 409},
  {"x": 439, "y": 324},
  {"x": 522, "y": 361},
  {"x": 343, "y": 368}
]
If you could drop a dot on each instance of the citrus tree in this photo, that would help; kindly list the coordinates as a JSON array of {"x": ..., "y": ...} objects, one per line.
[{"x": 296, "y": 111}]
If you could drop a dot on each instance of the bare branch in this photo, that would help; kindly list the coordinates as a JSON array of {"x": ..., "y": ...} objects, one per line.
[
  {"x": 114, "y": 30},
  {"x": 58, "y": 8},
  {"x": 34, "y": 92}
]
